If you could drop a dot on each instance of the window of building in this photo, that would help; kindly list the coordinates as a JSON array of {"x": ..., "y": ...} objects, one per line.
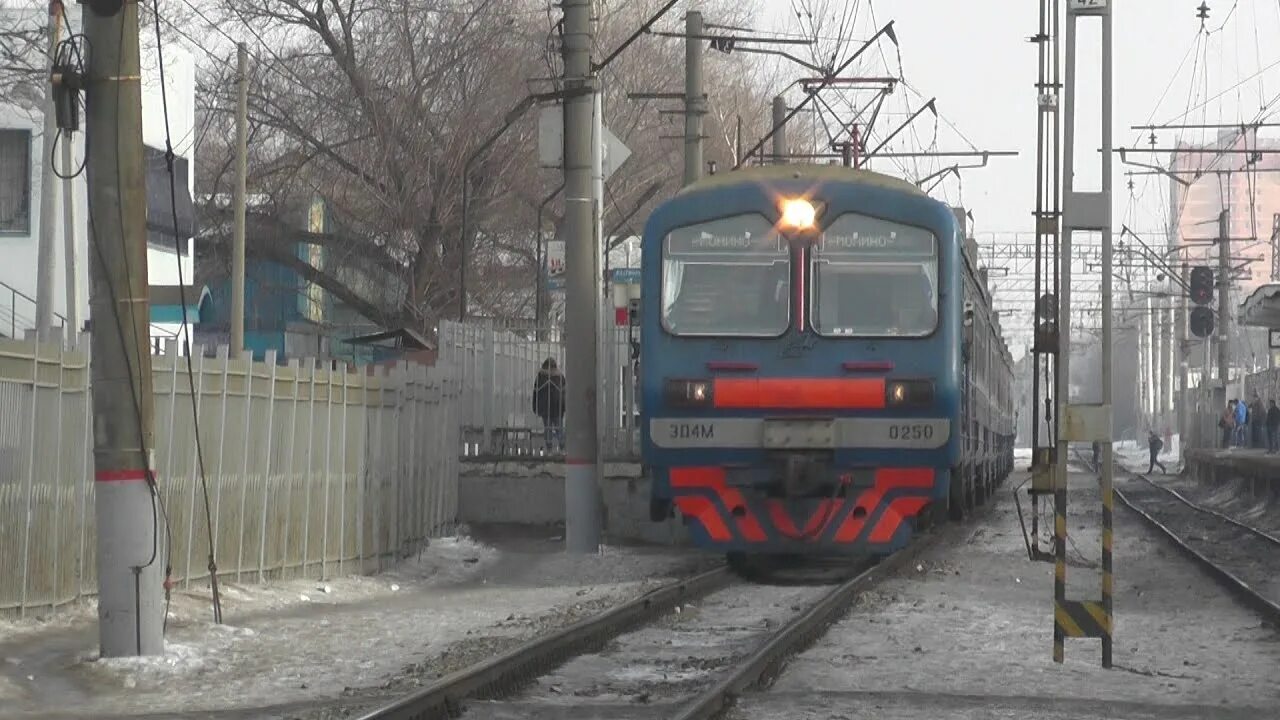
[
  {"x": 164, "y": 197},
  {"x": 15, "y": 181}
]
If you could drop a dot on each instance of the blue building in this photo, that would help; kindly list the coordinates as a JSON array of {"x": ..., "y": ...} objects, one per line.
[{"x": 294, "y": 317}]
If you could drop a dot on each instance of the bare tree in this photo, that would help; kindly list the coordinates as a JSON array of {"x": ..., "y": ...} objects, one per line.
[
  {"x": 376, "y": 106},
  {"x": 23, "y": 56}
]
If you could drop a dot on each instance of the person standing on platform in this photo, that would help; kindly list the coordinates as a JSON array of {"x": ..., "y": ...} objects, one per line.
[
  {"x": 1242, "y": 421},
  {"x": 1273, "y": 428},
  {"x": 1227, "y": 423},
  {"x": 1154, "y": 443},
  {"x": 549, "y": 405},
  {"x": 1257, "y": 422}
]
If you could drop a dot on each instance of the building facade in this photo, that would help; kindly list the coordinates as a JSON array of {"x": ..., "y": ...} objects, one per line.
[
  {"x": 25, "y": 157},
  {"x": 1229, "y": 174},
  {"x": 1225, "y": 175}
]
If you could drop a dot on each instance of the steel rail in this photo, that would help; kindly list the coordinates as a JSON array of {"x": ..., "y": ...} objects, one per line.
[
  {"x": 1237, "y": 586},
  {"x": 505, "y": 673},
  {"x": 758, "y": 668},
  {"x": 1210, "y": 511}
]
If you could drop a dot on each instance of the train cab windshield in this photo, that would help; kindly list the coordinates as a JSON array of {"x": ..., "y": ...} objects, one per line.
[
  {"x": 874, "y": 278},
  {"x": 726, "y": 277}
]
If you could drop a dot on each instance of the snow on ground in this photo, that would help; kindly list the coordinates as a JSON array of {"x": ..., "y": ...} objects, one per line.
[
  {"x": 299, "y": 641},
  {"x": 968, "y": 634}
]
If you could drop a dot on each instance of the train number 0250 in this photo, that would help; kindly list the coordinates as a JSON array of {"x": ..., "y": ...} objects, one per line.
[{"x": 911, "y": 431}]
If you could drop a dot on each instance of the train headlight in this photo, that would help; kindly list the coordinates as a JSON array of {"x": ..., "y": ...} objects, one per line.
[
  {"x": 688, "y": 393},
  {"x": 908, "y": 393},
  {"x": 798, "y": 214}
]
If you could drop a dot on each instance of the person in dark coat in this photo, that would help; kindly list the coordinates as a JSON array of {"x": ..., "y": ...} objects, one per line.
[
  {"x": 548, "y": 403},
  {"x": 1227, "y": 423},
  {"x": 1257, "y": 422},
  {"x": 1154, "y": 444},
  {"x": 1273, "y": 428}
]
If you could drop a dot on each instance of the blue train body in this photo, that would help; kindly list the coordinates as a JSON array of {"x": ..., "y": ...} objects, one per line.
[{"x": 817, "y": 389}]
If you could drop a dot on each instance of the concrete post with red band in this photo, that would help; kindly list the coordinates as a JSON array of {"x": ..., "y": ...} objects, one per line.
[{"x": 131, "y": 547}]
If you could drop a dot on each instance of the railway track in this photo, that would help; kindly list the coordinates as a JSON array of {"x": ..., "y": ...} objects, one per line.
[
  {"x": 1244, "y": 559},
  {"x": 687, "y": 665},
  {"x": 507, "y": 672},
  {"x": 495, "y": 677}
]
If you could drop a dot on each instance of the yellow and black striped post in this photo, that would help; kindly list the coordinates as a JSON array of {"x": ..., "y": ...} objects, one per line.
[
  {"x": 1083, "y": 211},
  {"x": 1075, "y": 618},
  {"x": 1059, "y": 561},
  {"x": 1108, "y": 498}
]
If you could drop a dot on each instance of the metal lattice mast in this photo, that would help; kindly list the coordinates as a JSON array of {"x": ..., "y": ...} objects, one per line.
[{"x": 1084, "y": 211}]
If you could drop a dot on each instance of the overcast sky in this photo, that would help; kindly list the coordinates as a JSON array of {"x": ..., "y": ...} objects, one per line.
[{"x": 975, "y": 58}]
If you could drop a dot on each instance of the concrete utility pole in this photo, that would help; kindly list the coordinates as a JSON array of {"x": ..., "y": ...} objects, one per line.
[
  {"x": 70, "y": 253},
  {"x": 779, "y": 130},
  {"x": 1224, "y": 304},
  {"x": 695, "y": 100},
  {"x": 1167, "y": 318},
  {"x": 1157, "y": 363},
  {"x": 48, "y": 189},
  {"x": 242, "y": 164},
  {"x": 130, "y": 546},
  {"x": 1182, "y": 358},
  {"x": 582, "y": 302}
]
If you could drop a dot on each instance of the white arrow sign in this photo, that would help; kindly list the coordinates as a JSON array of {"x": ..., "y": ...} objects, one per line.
[
  {"x": 615, "y": 152},
  {"x": 551, "y": 142}
]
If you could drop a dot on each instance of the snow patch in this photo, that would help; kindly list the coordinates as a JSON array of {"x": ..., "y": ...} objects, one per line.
[{"x": 302, "y": 639}]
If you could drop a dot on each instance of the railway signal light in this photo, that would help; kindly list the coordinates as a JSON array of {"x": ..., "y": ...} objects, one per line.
[
  {"x": 1201, "y": 321},
  {"x": 1201, "y": 290}
]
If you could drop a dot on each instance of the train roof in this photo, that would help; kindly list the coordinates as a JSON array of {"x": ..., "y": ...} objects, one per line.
[
  {"x": 837, "y": 173},
  {"x": 828, "y": 173}
]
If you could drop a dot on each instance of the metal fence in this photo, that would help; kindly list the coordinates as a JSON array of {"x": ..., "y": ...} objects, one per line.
[
  {"x": 498, "y": 366},
  {"x": 1205, "y": 405},
  {"x": 310, "y": 470}
]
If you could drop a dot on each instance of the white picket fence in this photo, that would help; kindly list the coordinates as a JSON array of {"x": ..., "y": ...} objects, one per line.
[
  {"x": 497, "y": 367},
  {"x": 310, "y": 471}
]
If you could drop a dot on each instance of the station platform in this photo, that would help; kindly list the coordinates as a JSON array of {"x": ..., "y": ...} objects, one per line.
[
  {"x": 1257, "y": 468},
  {"x": 532, "y": 494}
]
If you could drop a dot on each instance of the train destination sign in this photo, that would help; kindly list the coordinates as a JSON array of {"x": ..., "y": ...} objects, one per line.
[
  {"x": 736, "y": 236},
  {"x": 859, "y": 235}
]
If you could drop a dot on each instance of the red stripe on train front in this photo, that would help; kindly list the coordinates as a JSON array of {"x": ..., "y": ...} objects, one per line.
[
  {"x": 891, "y": 519},
  {"x": 704, "y": 511},
  {"x": 714, "y": 479},
  {"x": 815, "y": 527},
  {"x": 904, "y": 477},
  {"x": 798, "y": 393},
  {"x": 827, "y": 511}
]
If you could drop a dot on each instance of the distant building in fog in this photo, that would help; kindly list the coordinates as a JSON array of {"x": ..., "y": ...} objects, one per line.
[
  {"x": 1248, "y": 186},
  {"x": 1224, "y": 174}
]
